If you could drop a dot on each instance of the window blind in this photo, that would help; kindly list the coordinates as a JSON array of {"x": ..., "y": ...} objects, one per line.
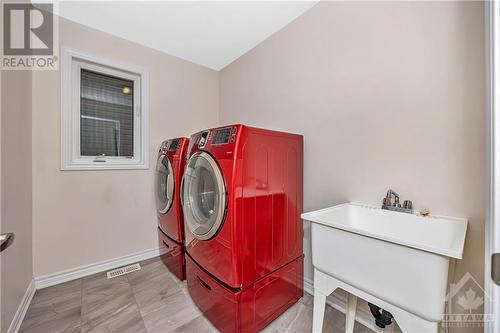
[{"x": 106, "y": 115}]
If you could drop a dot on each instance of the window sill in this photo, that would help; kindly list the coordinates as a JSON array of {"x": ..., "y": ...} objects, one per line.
[{"x": 103, "y": 166}]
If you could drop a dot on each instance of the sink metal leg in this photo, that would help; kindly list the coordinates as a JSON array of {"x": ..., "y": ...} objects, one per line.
[
  {"x": 318, "y": 311},
  {"x": 350, "y": 312}
]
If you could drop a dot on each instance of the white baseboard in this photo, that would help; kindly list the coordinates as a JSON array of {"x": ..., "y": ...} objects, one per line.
[
  {"x": 15, "y": 324},
  {"x": 79, "y": 272},
  {"x": 363, "y": 315}
]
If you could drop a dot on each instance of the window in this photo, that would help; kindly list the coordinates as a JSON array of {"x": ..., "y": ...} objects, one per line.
[{"x": 103, "y": 114}]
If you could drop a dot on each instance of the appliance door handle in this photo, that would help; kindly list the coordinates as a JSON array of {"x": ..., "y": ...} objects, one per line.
[
  {"x": 182, "y": 192},
  {"x": 203, "y": 283},
  {"x": 166, "y": 245}
]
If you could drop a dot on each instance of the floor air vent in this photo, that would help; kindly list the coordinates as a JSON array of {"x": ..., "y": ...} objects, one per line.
[{"x": 123, "y": 270}]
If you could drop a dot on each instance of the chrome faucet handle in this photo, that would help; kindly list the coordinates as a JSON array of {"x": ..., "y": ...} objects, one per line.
[{"x": 408, "y": 204}]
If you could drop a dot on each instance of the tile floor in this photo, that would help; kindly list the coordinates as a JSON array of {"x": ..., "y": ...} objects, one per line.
[{"x": 150, "y": 300}]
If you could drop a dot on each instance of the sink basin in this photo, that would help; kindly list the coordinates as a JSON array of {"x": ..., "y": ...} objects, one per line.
[
  {"x": 397, "y": 258},
  {"x": 441, "y": 235}
]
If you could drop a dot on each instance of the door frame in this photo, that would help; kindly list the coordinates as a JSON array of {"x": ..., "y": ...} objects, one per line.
[{"x": 492, "y": 228}]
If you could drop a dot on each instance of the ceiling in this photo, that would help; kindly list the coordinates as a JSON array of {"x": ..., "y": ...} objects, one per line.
[{"x": 212, "y": 34}]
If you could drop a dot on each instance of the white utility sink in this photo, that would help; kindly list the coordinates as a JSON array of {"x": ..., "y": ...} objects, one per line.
[{"x": 395, "y": 260}]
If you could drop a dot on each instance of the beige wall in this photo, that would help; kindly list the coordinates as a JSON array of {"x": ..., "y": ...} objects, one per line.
[
  {"x": 17, "y": 262},
  {"x": 83, "y": 217},
  {"x": 386, "y": 95}
]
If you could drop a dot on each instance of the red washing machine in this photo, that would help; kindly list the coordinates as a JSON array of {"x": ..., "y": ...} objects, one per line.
[
  {"x": 242, "y": 199},
  {"x": 169, "y": 170}
]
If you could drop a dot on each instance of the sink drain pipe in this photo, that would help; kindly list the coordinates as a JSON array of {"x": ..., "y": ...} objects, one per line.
[{"x": 382, "y": 318}]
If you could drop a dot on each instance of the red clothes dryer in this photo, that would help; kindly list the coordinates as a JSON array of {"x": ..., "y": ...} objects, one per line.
[
  {"x": 242, "y": 199},
  {"x": 169, "y": 170}
]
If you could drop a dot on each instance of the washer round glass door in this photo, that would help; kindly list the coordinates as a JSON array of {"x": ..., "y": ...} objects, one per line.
[
  {"x": 164, "y": 184},
  {"x": 203, "y": 196}
]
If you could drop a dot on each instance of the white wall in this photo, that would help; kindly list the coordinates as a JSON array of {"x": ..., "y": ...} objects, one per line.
[
  {"x": 16, "y": 195},
  {"x": 387, "y": 95},
  {"x": 83, "y": 217}
]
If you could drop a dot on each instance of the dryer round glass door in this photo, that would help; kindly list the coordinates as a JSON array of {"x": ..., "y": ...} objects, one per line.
[
  {"x": 164, "y": 184},
  {"x": 203, "y": 196}
]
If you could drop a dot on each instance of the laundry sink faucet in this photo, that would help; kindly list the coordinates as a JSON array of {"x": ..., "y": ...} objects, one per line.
[
  {"x": 396, "y": 206},
  {"x": 391, "y": 193}
]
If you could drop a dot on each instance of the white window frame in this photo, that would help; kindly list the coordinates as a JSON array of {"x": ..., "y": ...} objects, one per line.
[{"x": 71, "y": 64}]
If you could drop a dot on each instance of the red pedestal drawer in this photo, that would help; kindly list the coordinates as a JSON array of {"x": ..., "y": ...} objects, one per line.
[
  {"x": 173, "y": 257},
  {"x": 251, "y": 308}
]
